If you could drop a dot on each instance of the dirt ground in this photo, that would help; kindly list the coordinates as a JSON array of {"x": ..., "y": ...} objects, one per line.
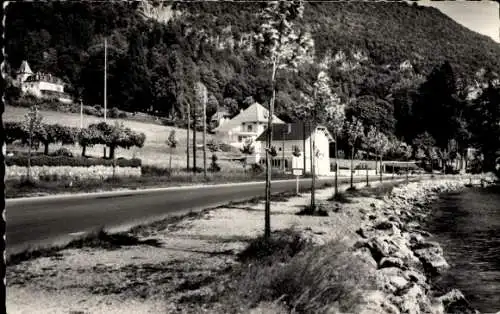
[{"x": 166, "y": 275}]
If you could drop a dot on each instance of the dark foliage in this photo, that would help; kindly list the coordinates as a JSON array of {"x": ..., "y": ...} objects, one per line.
[{"x": 54, "y": 161}]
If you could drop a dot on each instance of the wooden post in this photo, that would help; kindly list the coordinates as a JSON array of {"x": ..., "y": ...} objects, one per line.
[
  {"x": 188, "y": 130},
  {"x": 205, "y": 138},
  {"x": 297, "y": 184}
]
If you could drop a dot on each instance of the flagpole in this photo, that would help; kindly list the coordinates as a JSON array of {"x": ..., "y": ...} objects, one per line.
[{"x": 105, "y": 77}]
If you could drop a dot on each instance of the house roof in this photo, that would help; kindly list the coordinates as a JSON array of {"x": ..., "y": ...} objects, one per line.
[
  {"x": 292, "y": 132},
  {"x": 25, "y": 68},
  {"x": 254, "y": 113}
]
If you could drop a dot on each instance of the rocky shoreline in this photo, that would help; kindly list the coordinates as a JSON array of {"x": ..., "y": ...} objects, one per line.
[{"x": 402, "y": 257}]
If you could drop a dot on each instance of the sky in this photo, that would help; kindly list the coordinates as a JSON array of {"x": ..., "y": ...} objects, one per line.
[{"x": 479, "y": 16}]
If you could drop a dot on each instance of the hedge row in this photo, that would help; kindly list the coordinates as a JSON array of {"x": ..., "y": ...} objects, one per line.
[{"x": 22, "y": 161}]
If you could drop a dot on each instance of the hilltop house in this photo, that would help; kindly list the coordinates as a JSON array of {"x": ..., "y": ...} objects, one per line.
[
  {"x": 41, "y": 85},
  {"x": 247, "y": 125},
  {"x": 288, "y": 136}
]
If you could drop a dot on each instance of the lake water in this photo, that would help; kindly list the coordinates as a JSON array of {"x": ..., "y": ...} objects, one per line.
[{"x": 467, "y": 225}]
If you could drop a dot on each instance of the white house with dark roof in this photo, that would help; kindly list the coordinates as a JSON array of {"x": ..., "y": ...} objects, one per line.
[
  {"x": 41, "y": 85},
  {"x": 288, "y": 136},
  {"x": 247, "y": 125}
]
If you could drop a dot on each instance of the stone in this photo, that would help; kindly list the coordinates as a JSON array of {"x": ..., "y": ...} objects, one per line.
[
  {"x": 386, "y": 262},
  {"x": 455, "y": 302},
  {"x": 383, "y": 225},
  {"x": 416, "y": 277},
  {"x": 432, "y": 259},
  {"x": 413, "y": 301},
  {"x": 365, "y": 255},
  {"x": 375, "y": 302},
  {"x": 398, "y": 282}
]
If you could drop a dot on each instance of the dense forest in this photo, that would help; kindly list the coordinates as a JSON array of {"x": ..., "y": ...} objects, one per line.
[{"x": 399, "y": 66}]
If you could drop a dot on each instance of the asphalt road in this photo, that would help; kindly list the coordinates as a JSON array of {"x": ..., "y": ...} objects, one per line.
[{"x": 49, "y": 220}]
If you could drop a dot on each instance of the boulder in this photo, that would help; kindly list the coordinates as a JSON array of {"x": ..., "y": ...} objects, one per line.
[
  {"x": 413, "y": 301},
  {"x": 365, "y": 255},
  {"x": 432, "y": 259},
  {"x": 455, "y": 302},
  {"x": 386, "y": 262},
  {"x": 383, "y": 225},
  {"x": 374, "y": 302}
]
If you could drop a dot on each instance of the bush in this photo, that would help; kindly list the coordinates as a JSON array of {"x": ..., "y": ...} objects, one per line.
[
  {"x": 226, "y": 148},
  {"x": 155, "y": 171},
  {"x": 256, "y": 169},
  {"x": 91, "y": 111},
  {"x": 62, "y": 152},
  {"x": 214, "y": 166},
  {"x": 213, "y": 146},
  {"x": 122, "y": 115},
  {"x": 114, "y": 112},
  {"x": 22, "y": 161}
]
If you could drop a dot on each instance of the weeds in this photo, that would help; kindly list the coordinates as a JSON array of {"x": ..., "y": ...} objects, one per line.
[
  {"x": 310, "y": 282},
  {"x": 281, "y": 246},
  {"x": 317, "y": 210},
  {"x": 340, "y": 198}
]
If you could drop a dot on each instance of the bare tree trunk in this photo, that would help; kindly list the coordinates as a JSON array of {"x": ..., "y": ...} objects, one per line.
[
  {"x": 367, "y": 178},
  {"x": 267, "y": 223},
  {"x": 304, "y": 144},
  {"x": 195, "y": 170},
  {"x": 187, "y": 138},
  {"x": 313, "y": 169},
  {"x": 29, "y": 154},
  {"x": 380, "y": 170},
  {"x": 170, "y": 163},
  {"x": 352, "y": 167},
  {"x": 204, "y": 139},
  {"x": 336, "y": 169}
]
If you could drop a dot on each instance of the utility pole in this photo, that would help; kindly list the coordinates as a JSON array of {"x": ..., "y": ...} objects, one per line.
[
  {"x": 205, "y": 137},
  {"x": 105, "y": 84},
  {"x": 187, "y": 137}
]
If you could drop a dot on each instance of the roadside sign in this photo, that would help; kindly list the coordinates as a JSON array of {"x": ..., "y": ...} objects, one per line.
[
  {"x": 297, "y": 163},
  {"x": 297, "y": 172}
]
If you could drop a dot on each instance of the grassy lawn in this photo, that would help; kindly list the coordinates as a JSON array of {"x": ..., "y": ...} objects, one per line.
[{"x": 154, "y": 152}]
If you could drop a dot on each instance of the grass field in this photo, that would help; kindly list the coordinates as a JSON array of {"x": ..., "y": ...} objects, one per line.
[{"x": 155, "y": 151}]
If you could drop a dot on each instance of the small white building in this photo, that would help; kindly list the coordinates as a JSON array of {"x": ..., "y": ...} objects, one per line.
[
  {"x": 247, "y": 125},
  {"x": 220, "y": 118},
  {"x": 41, "y": 85},
  {"x": 287, "y": 138}
]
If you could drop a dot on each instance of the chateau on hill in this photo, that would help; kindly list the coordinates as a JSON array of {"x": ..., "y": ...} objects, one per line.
[{"x": 41, "y": 85}]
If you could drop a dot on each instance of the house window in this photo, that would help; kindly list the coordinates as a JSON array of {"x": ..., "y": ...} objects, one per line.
[
  {"x": 249, "y": 128},
  {"x": 240, "y": 139}
]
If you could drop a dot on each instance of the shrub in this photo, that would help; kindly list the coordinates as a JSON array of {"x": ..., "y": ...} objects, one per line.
[
  {"x": 213, "y": 146},
  {"x": 214, "y": 166},
  {"x": 226, "y": 148},
  {"x": 155, "y": 171},
  {"x": 63, "y": 151},
  {"x": 91, "y": 111},
  {"x": 122, "y": 115},
  {"x": 55, "y": 161},
  {"x": 114, "y": 112},
  {"x": 14, "y": 132},
  {"x": 256, "y": 169}
]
